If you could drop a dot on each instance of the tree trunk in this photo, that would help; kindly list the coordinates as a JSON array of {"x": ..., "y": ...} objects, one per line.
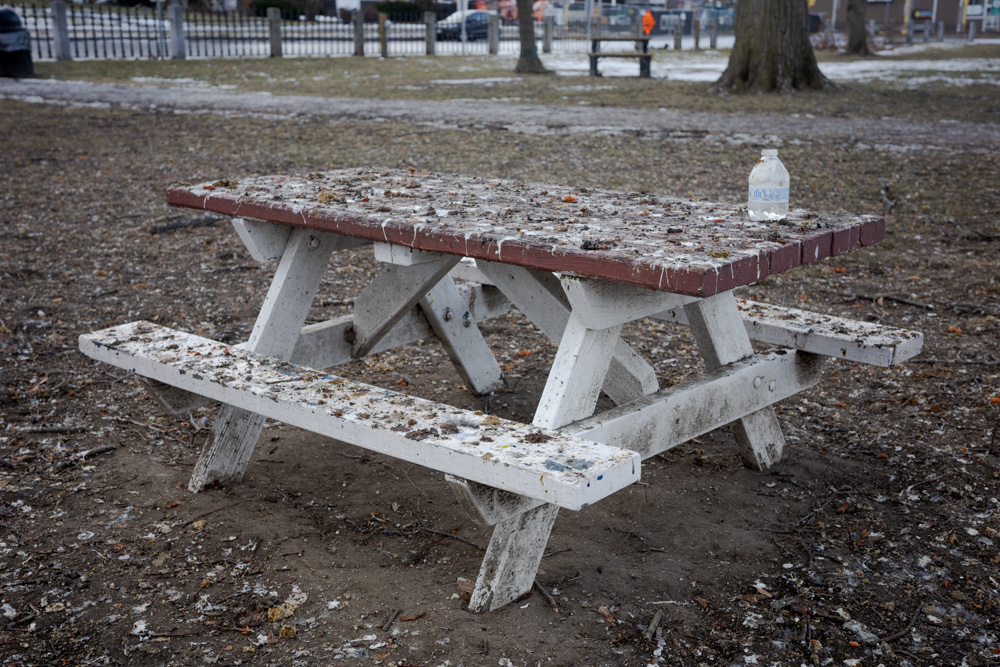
[
  {"x": 772, "y": 50},
  {"x": 528, "y": 62},
  {"x": 857, "y": 35}
]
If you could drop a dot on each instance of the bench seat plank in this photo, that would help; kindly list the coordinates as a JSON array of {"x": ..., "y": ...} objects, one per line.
[
  {"x": 546, "y": 465},
  {"x": 863, "y": 342}
]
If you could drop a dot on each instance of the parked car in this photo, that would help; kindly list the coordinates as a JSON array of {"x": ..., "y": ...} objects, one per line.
[{"x": 477, "y": 25}]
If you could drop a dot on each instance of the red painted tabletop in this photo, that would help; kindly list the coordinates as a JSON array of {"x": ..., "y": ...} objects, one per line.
[{"x": 692, "y": 247}]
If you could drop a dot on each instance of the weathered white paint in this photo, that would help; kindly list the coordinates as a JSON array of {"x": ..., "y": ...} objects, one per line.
[
  {"x": 466, "y": 269},
  {"x": 323, "y": 344},
  {"x": 390, "y": 295},
  {"x": 527, "y": 461},
  {"x": 540, "y": 297},
  {"x": 600, "y": 305},
  {"x": 677, "y": 414},
  {"x": 838, "y": 337},
  {"x": 718, "y": 329},
  {"x": 455, "y": 326},
  {"x": 577, "y": 374},
  {"x": 511, "y": 562},
  {"x": 403, "y": 256},
  {"x": 487, "y": 504},
  {"x": 282, "y": 314},
  {"x": 265, "y": 241}
]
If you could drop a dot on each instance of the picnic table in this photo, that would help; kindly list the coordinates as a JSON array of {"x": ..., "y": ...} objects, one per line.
[
  {"x": 640, "y": 51},
  {"x": 453, "y": 251}
]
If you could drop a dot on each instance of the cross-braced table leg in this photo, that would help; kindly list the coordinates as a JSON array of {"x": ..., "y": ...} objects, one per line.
[
  {"x": 293, "y": 288},
  {"x": 722, "y": 339},
  {"x": 589, "y": 344}
]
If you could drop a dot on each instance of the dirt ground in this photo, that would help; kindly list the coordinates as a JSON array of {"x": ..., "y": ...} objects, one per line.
[{"x": 873, "y": 542}]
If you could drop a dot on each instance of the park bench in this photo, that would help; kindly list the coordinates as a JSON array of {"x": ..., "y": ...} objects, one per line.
[
  {"x": 579, "y": 264},
  {"x": 641, "y": 52}
]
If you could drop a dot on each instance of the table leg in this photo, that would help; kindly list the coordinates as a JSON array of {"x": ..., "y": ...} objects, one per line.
[
  {"x": 518, "y": 542},
  {"x": 511, "y": 562},
  {"x": 718, "y": 328},
  {"x": 293, "y": 288},
  {"x": 540, "y": 297},
  {"x": 455, "y": 326}
]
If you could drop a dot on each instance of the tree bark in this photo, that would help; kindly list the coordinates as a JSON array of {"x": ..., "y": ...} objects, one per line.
[
  {"x": 528, "y": 61},
  {"x": 772, "y": 51},
  {"x": 857, "y": 36}
]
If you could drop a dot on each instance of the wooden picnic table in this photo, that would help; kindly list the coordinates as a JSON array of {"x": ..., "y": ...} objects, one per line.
[{"x": 579, "y": 263}]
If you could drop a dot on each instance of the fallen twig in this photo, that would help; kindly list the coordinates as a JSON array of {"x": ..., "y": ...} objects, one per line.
[
  {"x": 454, "y": 537},
  {"x": 545, "y": 594},
  {"x": 55, "y": 429},
  {"x": 77, "y": 458},
  {"x": 629, "y": 533},
  {"x": 906, "y": 630},
  {"x": 653, "y": 624},
  {"x": 392, "y": 619},
  {"x": 201, "y": 221}
]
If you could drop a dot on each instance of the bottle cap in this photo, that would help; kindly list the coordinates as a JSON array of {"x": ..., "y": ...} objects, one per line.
[{"x": 769, "y": 152}]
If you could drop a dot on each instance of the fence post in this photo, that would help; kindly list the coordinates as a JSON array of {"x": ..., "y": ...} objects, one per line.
[
  {"x": 697, "y": 34},
  {"x": 493, "y": 37},
  {"x": 61, "y": 26},
  {"x": 430, "y": 20},
  {"x": 383, "y": 36},
  {"x": 972, "y": 31},
  {"x": 274, "y": 30},
  {"x": 940, "y": 35},
  {"x": 358, "y": 23},
  {"x": 713, "y": 32},
  {"x": 547, "y": 28},
  {"x": 678, "y": 32},
  {"x": 178, "y": 50}
]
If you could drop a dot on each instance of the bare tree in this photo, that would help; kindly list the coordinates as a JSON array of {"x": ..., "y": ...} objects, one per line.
[
  {"x": 528, "y": 61},
  {"x": 857, "y": 36},
  {"x": 772, "y": 49}
]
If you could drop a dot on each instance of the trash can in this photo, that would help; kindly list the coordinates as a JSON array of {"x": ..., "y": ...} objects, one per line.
[{"x": 15, "y": 46}]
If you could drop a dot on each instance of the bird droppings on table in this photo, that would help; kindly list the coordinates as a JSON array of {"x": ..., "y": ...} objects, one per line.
[{"x": 556, "y": 228}]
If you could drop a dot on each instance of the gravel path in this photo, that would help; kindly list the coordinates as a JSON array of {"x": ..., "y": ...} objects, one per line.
[{"x": 893, "y": 133}]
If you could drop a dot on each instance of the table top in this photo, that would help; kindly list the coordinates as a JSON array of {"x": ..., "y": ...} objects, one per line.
[{"x": 698, "y": 248}]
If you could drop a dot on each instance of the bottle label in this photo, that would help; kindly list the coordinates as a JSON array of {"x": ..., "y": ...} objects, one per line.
[{"x": 768, "y": 194}]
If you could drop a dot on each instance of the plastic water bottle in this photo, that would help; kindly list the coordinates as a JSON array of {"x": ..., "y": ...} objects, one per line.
[{"x": 768, "y": 197}]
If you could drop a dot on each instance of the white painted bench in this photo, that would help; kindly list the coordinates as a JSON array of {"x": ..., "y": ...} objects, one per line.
[
  {"x": 546, "y": 465},
  {"x": 580, "y": 264}
]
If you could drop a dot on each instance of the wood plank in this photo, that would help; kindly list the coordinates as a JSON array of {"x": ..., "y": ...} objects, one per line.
[
  {"x": 455, "y": 326},
  {"x": 599, "y": 305},
  {"x": 265, "y": 241},
  {"x": 716, "y": 326},
  {"x": 515, "y": 457},
  {"x": 699, "y": 248},
  {"x": 403, "y": 256},
  {"x": 660, "y": 421},
  {"x": 389, "y": 296},
  {"x": 838, "y": 337},
  {"x": 325, "y": 345},
  {"x": 577, "y": 373},
  {"x": 296, "y": 280},
  {"x": 511, "y": 561}
]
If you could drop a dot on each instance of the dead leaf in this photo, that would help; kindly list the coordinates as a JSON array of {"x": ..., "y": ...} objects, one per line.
[
  {"x": 702, "y": 601},
  {"x": 606, "y": 614},
  {"x": 413, "y": 617},
  {"x": 286, "y": 632}
]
